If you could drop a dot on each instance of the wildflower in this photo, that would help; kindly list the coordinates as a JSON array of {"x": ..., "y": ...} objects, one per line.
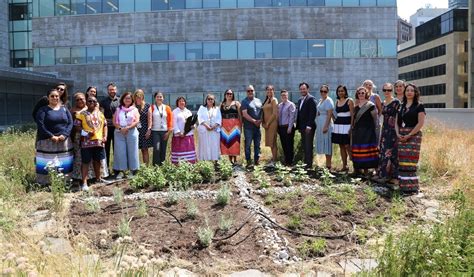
[
  {"x": 103, "y": 242},
  {"x": 143, "y": 258},
  {"x": 103, "y": 232},
  {"x": 127, "y": 239},
  {"x": 22, "y": 266},
  {"x": 7, "y": 271},
  {"x": 21, "y": 260},
  {"x": 32, "y": 273},
  {"x": 10, "y": 256}
]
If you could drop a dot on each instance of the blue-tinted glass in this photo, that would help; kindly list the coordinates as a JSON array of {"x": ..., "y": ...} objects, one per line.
[
  {"x": 46, "y": 56},
  {"x": 20, "y": 25},
  {"x": 334, "y": 3},
  {"x": 143, "y": 53},
  {"x": 36, "y": 57},
  {"x": 281, "y": 49},
  {"x": 211, "y": 50},
  {"x": 46, "y": 8},
  {"x": 143, "y": 6},
  {"x": 297, "y": 2},
  {"x": 387, "y": 48},
  {"x": 63, "y": 55},
  {"x": 194, "y": 4},
  {"x": 299, "y": 48},
  {"x": 36, "y": 8},
  {"x": 78, "y": 6},
  {"x": 368, "y": 48},
  {"x": 226, "y": 4},
  {"x": 263, "y": 49},
  {"x": 387, "y": 3},
  {"x": 228, "y": 50},
  {"x": 110, "y": 54},
  {"x": 315, "y": 2},
  {"x": 263, "y": 3},
  {"x": 159, "y": 5},
  {"x": 281, "y": 3},
  {"x": 63, "y": 7},
  {"x": 94, "y": 6},
  {"x": 110, "y": 6},
  {"x": 20, "y": 40},
  {"x": 126, "y": 6},
  {"x": 126, "y": 53},
  {"x": 350, "y": 3},
  {"x": 210, "y": 4},
  {"x": 246, "y": 49},
  {"x": 193, "y": 51},
  {"x": 334, "y": 48},
  {"x": 317, "y": 48},
  {"x": 176, "y": 4},
  {"x": 94, "y": 54},
  {"x": 351, "y": 48},
  {"x": 368, "y": 3},
  {"x": 78, "y": 55},
  {"x": 176, "y": 52},
  {"x": 245, "y": 3},
  {"x": 159, "y": 52}
]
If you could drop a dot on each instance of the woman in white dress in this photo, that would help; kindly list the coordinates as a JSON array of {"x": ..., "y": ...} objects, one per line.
[{"x": 210, "y": 121}]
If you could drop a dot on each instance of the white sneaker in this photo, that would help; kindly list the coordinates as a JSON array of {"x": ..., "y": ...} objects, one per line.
[
  {"x": 85, "y": 187},
  {"x": 119, "y": 176}
]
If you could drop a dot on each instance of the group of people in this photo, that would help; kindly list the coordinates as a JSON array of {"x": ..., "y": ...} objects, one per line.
[{"x": 79, "y": 140}]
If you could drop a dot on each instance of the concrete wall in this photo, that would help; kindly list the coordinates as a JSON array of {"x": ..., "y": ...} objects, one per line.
[
  {"x": 4, "y": 47},
  {"x": 452, "y": 118},
  {"x": 471, "y": 56}
]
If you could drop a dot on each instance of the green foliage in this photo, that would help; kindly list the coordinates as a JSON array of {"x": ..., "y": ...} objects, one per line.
[
  {"x": 294, "y": 222},
  {"x": 124, "y": 227},
  {"x": 300, "y": 172},
  {"x": 223, "y": 195},
  {"x": 173, "y": 196},
  {"x": 311, "y": 206},
  {"x": 206, "y": 169},
  {"x": 92, "y": 205},
  {"x": 371, "y": 197},
  {"x": 118, "y": 195},
  {"x": 397, "y": 209},
  {"x": 327, "y": 178},
  {"x": 225, "y": 223},
  {"x": 191, "y": 209},
  {"x": 225, "y": 169},
  {"x": 343, "y": 196},
  {"x": 259, "y": 177},
  {"x": 205, "y": 235},
  {"x": 142, "y": 208},
  {"x": 270, "y": 197},
  {"x": 186, "y": 175},
  {"x": 312, "y": 248},
  {"x": 58, "y": 186},
  {"x": 149, "y": 176}
]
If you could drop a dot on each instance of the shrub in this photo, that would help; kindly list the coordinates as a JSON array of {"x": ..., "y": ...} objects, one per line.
[
  {"x": 191, "y": 209},
  {"x": 149, "y": 176},
  {"x": 92, "y": 205},
  {"x": 173, "y": 196},
  {"x": 124, "y": 227},
  {"x": 294, "y": 223},
  {"x": 223, "y": 195},
  {"x": 118, "y": 195},
  {"x": 300, "y": 172},
  {"x": 142, "y": 208},
  {"x": 371, "y": 197},
  {"x": 186, "y": 175},
  {"x": 205, "y": 235},
  {"x": 327, "y": 178},
  {"x": 225, "y": 169},
  {"x": 206, "y": 169},
  {"x": 58, "y": 184},
  {"x": 311, "y": 207},
  {"x": 225, "y": 223},
  {"x": 312, "y": 248}
]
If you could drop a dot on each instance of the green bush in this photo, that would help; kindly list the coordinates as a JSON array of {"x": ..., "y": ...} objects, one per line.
[
  {"x": 312, "y": 248},
  {"x": 223, "y": 195},
  {"x": 225, "y": 169},
  {"x": 149, "y": 176},
  {"x": 187, "y": 175},
  {"x": 206, "y": 169}
]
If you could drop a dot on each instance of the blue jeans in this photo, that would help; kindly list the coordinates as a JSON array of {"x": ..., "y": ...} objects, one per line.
[{"x": 255, "y": 135}]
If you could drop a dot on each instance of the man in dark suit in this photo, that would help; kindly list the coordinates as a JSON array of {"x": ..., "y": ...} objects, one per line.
[{"x": 305, "y": 123}]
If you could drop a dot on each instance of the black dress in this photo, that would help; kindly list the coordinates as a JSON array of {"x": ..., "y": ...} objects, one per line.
[
  {"x": 342, "y": 124},
  {"x": 143, "y": 128},
  {"x": 365, "y": 152}
]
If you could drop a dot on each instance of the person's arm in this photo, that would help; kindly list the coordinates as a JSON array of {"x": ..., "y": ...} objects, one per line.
[
  {"x": 43, "y": 101},
  {"x": 397, "y": 129},
  {"x": 78, "y": 123},
  {"x": 329, "y": 115},
  {"x": 114, "y": 121},
  {"x": 203, "y": 118},
  {"x": 378, "y": 103},
  {"x": 311, "y": 114},
  {"x": 69, "y": 125},
  {"x": 40, "y": 122},
  {"x": 351, "y": 111},
  {"x": 248, "y": 117},
  {"x": 104, "y": 129},
  {"x": 176, "y": 129},
  {"x": 239, "y": 112},
  {"x": 374, "y": 115},
  {"x": 292, "y": 119},
  {"x": 218, "y": 118},
  {"x": 274, "y": 115},
  {"x": 418, "y": 126},
  {"x": 136, "y": 120},
  {"x": 149, "y": 122}
]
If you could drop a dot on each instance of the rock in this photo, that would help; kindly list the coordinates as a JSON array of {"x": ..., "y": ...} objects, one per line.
[
  {"x": 431, "y": 214},
  {"x": 177, "y": 272},
  {"x": 39, "y": 215},
  {"x": 430, "y": 203},
  {"x": 283, "y": 255},
  {"x": 249, "y": 273},
  {"x": 323, "y": 274},
  {"x": 357, "y": 265},
  {"x": 57, "y": 245},
  {"x": 44, "y": 227}
]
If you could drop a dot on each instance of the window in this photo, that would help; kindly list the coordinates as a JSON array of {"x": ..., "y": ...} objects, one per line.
[
  {"x": 334, "y": 3},
  {"x": 176, "y": 4},
  {"x": 126, "y": 6},
  {"x": 386, "y": 3},
  {"x": 176, "y": 52},
  {"x": 159, "y": 52},
  {"x": 368, "y": 48},
  {"x": 46, "y": 8},
  {"x": 20, "y": 41},
  {"x": 78, "y": 55},
  {"x": 466, "y": 46},
  {"x": 299, "y": 48},
  {"x": 351, "y": 48},
  {"x": 211, "y": 50},
  {"x": 297, "y": 2},
  {"x": 263, "y": 3},
  {"x": 350, "y": 3},
  {"x": 387, "y": 48},
  {"x": 94, "y": 54},
  {"x": 245, "y": 3},
  {"x": 94, "y": 6},
  {"x": 207, "y": 4},
  {"x": 228, "y": 50},
  {"x": 22, "y": 58},
  {"x": 143, "y": 53},
  {"x": 281, "y": 3},
  {"x": 194, "y": 4},
  {"x": 263, "y": 49},
  {"x": 466, "y": 88},
  {"x": 63, "y": 55},
  {"x": 110, "y": 6},
  {"x": 19, "y": 12},
  {"x": 281, "y": 48},
  {"x": 63, "y": 7},
  {"x": 194, "y": 51},
  {"x": 157, "y": 5},
  {"x": 143, "y": 5},
  {"x": 316, "y": 48},
  {"x": 110, "y": 54},
  {"x": 78, "y": 7},
  {"x": 465, "y": 67},
  {"x": 226, "y": 4},
  {"x": 368, "y": 3},
  {"x": 315, "y": 2},
  {"x": 126, "y": 53},
  {"x": 246, "y": 49},
  {"x": 334, "y": 48}
]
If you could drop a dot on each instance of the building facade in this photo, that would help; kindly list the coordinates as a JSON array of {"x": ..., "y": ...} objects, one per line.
[
  {"x": 438, "y": 62},
  {"x": 193, "y": 47},
  {"x": 453, "y": 4},
  {"x": 405, "y": 31}
]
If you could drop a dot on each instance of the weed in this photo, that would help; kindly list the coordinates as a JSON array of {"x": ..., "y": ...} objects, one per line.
[
  {"x": 327, "y": 178},
  {"x": 205, "y": 235},
  {"x": 118, "y": 195},
  {"x": 313, "y": 248},
  {"x": 371, "y": 197},
  {"x": 300, "y": 172},
  {"x": 324, "y": 227},
  {"x": 294, "y": 223},
  {"x": 92, "y": 205},
  {"x": 270, "y": 197},
  {"x": 191, "y": 209},
  {"x": 311, "y": 207},
  {"x": 362, "y": 235},
  {"x": 397, "y": 209},
  {"x": 57, "y": 185},
  {"x": 142, "y": 208},
  {"x": 225, "y": 168},
  {"x": 223, "y": 195},
  {"x": 124, "y": 227},
  {"x": 378, "y": 221},
  {"x": 173, "y": 196},
  {"x": 206, "y": 169},
  {"x": 344, "y": 197},
  {"x": 259, "y": 177},
  {"x": 225, "y": 223}
]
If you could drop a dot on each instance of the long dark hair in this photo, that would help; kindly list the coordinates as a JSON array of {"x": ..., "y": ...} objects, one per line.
[
  {"x": 63, "y": 96},
  {"x": 122, "y": 104},
  {"x": 267, "y": 98},
  {"x": 345, "y": 90},
  {"x": 416, "y": 98}
]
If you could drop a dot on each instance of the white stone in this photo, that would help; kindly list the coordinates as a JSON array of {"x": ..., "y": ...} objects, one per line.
[
  {"x": 177, "y": 272},
  {"x": 249, "y": 273},
  {"x": 57, "y": 245}
]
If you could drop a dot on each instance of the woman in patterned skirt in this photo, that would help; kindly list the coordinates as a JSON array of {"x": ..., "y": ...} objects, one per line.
[
  {"x": 342, "y": 124},
  {"x": 144, "y": 128},
  {"x": 231, "y": 126},
  {"x": 388, "y": 157},
  {"x": 182, "y": 145},
  {"x": 324, "y": 125},
  {"x": 410, "y": 120}
]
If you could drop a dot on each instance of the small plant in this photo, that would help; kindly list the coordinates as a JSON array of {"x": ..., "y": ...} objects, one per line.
[
  {"x": 313, "y": 248},
  {"x": 327, "y": 178},
  {"x": 205, "y": 235},
  {"x": 225, "y": 223},
  {"x": 397, "y": 209},
  {"x": 191, "y": 209},
  {"x": 283, "y": 174},
  {"x": 225, "y": 168},
  {"x": 300, "y": 172},
  {"x": 173, "y": 196},
  {"x": 270, "y": 197},
  {"x": 259, "y": 177},
  {"x": 206, "y": 169},
  {"x": 295, "y": 222},
  {"x": 58, "y": 184},
  {"x": 124, "y": 227},
  {"x": 149, "y": 176},
  {"x": 371, "y": 197},
  {"x": 223, "y": 195},
  {"x": 142, "y": 208},
  {"x": 118, "y": 195},
  {"x": 186, "y": 175},
  {"x": 311, "y": 207},
  {"x": 92, "y": 205}
]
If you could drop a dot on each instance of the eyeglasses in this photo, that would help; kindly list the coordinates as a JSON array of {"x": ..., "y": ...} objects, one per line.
[
  {"x": 249, "y": 90},
  {"x": 229, "y": 93},
  {"x": 361, "y": 92},
  {"x": 386, "y": 90},
  {"x": 210, "y": 99},
  {"x": 323, "y": 91},
  {"x": 91, "y": 101}
]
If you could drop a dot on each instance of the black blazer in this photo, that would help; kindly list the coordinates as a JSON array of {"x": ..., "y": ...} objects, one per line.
[{"x": 307, "y": 113}]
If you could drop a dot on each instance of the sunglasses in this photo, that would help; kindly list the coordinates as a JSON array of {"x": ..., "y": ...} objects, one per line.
[
  {"x": 210, "y": 99},
  {"x": 91, "y": 101},
  {"x": 323, "y": 91},
  {"x": 249, "y": 90},
  {"x": 229, "y": 93},
  {"x": 361, "y": 92},
  {"x": 386, "y": 90}
]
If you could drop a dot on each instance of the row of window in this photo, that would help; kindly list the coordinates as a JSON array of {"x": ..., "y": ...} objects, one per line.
[
  {"x": 434, "y": 105},
  {"x": 438, "y": 89},
  {"x": 432, "y": 71},
  {"x": 74, "y": 7},
  {"x": 423, "y": 56}
]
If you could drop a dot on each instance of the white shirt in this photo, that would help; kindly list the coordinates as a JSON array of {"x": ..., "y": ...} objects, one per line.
[
  {"x": 179, "y": 120},
  {"x": 210, "y": 116},
  {"x": 159, "y": 118}
]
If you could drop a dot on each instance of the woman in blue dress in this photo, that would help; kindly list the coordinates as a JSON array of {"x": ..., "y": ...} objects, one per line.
[{"x": 324, "y": 125}]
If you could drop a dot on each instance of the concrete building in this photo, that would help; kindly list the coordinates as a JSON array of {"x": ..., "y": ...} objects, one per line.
[
  {"x": 4, "y": 47},
  {"x": 471, "y": 56},
  {"x": 193, "y": 47},
  {"x": 438, "y": 62},
  {"x": 423, "y": 15},
  {"x": 405, "y": 31},
  {"x": 453, "y": 4}
]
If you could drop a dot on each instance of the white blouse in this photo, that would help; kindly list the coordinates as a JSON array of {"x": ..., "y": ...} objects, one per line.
[
  {"x": 159, "y": 118},
  {"x": 179, "y": 120},
  {"x": 210, "y": 116}
]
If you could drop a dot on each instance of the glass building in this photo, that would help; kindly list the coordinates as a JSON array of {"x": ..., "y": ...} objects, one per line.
[{"x": 193, "y": 47}]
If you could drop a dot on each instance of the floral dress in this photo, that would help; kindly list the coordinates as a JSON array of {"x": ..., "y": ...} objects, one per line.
[{"x": 388, "y": 156}]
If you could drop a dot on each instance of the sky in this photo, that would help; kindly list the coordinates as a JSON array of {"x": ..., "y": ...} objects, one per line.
[{"x": 409, "y": 7}]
